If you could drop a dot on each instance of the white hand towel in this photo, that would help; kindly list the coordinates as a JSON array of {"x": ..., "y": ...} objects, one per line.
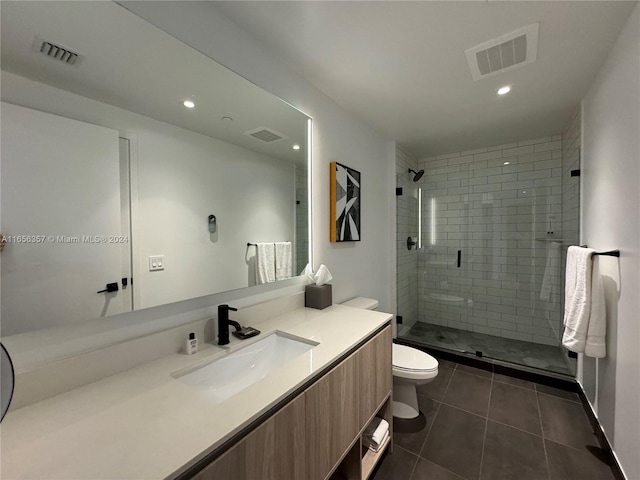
[
  {"x": 284, "y": 261},
  {"x": 577, "y": 302},
  {"x": 551, "y": 271},
  {"x": 265, "y": 263},
  {"x": 596, "y": 332},
  {"x": 373, "y": 446},
  {"x": 380, "y": 431}
]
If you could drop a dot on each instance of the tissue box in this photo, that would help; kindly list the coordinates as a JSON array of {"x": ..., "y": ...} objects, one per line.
[{"x": 318, "y": 296}]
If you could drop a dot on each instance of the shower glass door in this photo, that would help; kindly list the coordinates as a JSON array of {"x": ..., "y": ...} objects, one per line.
[{"x": 488, "y": 268}]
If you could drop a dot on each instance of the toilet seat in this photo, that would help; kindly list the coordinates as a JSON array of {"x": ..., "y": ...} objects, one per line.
[{"x": 411, "y": 363}]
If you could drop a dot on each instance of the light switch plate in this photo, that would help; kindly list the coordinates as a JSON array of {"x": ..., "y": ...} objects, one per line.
[{"x": 156, "y": 262}]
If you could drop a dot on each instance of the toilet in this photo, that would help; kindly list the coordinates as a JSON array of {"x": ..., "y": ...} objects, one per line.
[{"x": 411, "y": 367}]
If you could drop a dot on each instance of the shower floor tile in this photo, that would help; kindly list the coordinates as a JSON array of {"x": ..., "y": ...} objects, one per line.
[{"x": 544, "y": 357}]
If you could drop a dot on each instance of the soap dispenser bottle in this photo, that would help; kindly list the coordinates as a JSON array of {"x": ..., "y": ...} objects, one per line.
[{"x": 192, "y": 344}]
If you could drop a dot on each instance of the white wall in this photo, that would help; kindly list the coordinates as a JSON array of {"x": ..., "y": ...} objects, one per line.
[
  {"x": 359, "y": 268},
  {"x": 181, "y": 178},
  {"x": 610, "y": 177}
]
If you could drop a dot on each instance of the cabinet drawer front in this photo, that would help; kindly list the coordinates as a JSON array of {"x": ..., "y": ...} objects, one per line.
[
  {"x": 273, "y": 451},
  {"x": 376, "y": 377},
  {"x": 332, "y": 417}
]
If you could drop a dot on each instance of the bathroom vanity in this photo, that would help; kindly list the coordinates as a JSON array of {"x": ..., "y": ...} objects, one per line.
[
  {"x": 303, "y": 420},
  {"x": 319, "y": 431}
]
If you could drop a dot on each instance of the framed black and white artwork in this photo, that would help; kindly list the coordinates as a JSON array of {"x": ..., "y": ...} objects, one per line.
[{"x": 345, "y": 203}]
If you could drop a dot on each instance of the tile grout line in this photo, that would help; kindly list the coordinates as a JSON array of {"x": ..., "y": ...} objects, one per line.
[
  {"x": 424, "y": 442},
  {"x": 558, "y": 397},
  {"x": 440, "y": 403},
  {"x": 486, "y": 425},
  {"x": 544, "y": 445}
]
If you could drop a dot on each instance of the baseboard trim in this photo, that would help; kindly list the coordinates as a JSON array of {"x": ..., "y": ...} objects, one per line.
[{"x": 611, "y": 458}]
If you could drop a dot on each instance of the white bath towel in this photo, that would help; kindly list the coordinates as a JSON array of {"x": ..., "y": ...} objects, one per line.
[
  {"x": 597, "y": 330},
  {"x": 551, "y": 272},
  {"x": 284, "y": 260},
  {"x": 584, "y": 302},
  {"x": 265, "y": 263}
]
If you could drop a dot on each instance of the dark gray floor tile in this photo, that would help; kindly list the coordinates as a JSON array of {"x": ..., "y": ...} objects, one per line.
[
  {"x": 438, "y": 386},
  {"x": 498, "y": 377},
  {"x": 396, "y": 465},
  {"x": 557, "y": 392},
  {"x": 511, "y": 454},
  {"x": 455, "y": 442},
  {"x": 565, "y": 422},
  {"x": 413, "y": 441},
  {"x": 567, "y": 463},
  {"x": 476, "y": 371},
  {"x": 426, "y": 470},
  {"x": 469, "y": 392},
  {"x": 515, "y": 406},
  {"x": 446, "y": 363}
]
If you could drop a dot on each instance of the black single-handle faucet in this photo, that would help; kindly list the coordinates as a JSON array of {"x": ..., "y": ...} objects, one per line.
[{"x": 224, "y": 322}]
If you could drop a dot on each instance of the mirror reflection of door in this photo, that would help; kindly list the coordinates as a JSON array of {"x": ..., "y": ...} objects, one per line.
[{"x": 61, "y": 251}]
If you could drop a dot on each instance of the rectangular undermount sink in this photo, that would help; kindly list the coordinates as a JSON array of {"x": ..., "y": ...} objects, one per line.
[{"x": 225, "y": 376}]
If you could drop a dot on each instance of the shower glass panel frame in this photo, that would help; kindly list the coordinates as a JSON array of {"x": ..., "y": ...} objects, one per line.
[{"x": 489, "y": 268}]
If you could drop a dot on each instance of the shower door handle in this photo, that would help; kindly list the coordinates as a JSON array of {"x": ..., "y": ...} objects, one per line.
[{"x": 459, "y": 258}]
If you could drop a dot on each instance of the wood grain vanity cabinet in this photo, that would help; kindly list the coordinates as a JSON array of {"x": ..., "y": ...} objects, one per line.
[
  {"x": 332, "y": 417},
  {"x": 273, "y": 451},
  {"x": 318, "y": 434},
  {"x": 376, "y": 377}
]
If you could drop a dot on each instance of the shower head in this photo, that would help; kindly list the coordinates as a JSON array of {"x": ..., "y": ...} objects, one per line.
[{"x": 417, "y": 175}]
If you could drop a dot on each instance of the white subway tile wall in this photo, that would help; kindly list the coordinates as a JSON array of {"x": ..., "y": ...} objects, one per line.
[
  {"x": 501, "y": 206},
  {"x": 407, "y": 226}
]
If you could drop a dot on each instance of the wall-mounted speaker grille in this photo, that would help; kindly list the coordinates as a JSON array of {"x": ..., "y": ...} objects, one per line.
[
  {"x": 266, "y": 134},
  {"x": 514, "y": 49},
  {"x": 57, "y": 52}
]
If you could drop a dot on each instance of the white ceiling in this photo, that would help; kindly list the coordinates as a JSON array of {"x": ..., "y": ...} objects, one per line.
[
  {"x": 133, "y": 65},
  {"x": 401, "y": 67}
]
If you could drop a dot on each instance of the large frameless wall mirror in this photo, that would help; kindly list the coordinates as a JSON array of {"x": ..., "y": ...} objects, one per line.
[{"x": 136, "y": 171}]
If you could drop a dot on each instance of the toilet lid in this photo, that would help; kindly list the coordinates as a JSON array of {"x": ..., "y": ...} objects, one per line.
[{"x": 411, "y": 359}]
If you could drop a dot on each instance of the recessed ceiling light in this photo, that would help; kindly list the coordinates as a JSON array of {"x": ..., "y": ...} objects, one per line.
[
  {"x": 504, "y": 90},
  {"x": 296, "y": 147},
  {"x": 188, "y": 103}
]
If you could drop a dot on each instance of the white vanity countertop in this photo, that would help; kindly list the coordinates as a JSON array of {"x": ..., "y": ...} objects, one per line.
[{"x": 144, "y": 423}]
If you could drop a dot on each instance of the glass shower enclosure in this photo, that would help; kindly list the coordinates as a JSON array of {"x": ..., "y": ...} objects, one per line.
[{"x": 481, "y": 259}]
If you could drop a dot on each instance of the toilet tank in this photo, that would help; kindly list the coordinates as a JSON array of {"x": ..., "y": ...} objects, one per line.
[{"x": 362, "y": 302}]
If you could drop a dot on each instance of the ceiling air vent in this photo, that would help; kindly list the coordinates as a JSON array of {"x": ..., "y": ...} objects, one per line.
[
  {"x": 514, "y": 49},
  {"x": 57, "y": 52},
  {"x": 266, "y": 135}
]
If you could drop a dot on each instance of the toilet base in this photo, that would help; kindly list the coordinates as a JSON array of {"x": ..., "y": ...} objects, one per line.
[{"x": 405, "y": 400}]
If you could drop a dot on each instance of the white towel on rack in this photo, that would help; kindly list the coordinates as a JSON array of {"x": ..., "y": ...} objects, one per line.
[
  {"x": 284, "y": 261},
  {"x": 597, "y": 330},
  {"x": 550, "y": 271},
  {"x": 584, "y": 304},
  {"x": 265, "y": 263}
]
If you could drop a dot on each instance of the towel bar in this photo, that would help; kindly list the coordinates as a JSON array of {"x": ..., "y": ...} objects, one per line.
[{"x": 610, "y": 253}]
